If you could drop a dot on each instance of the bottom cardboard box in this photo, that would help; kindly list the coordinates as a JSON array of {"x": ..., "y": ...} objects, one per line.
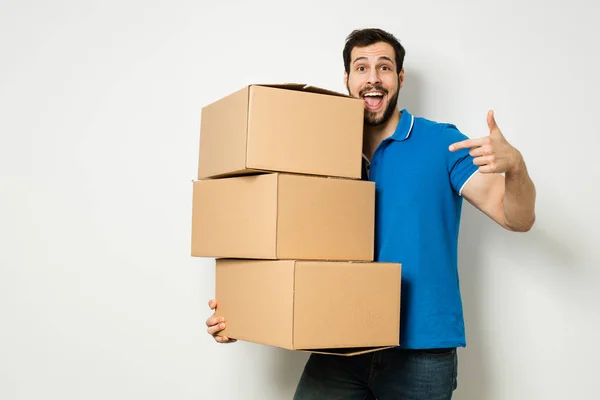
[{"x": 332, "y": 307}]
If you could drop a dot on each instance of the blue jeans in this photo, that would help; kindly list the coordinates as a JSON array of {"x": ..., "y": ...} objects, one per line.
[{"x": 383, "y": 375}]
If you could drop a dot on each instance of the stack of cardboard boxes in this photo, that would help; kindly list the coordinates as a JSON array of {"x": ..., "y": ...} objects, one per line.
[{"x": 280, "y": 205}]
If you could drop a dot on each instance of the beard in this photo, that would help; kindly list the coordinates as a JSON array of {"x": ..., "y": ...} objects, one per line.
[{"x": 370, "y": 118}]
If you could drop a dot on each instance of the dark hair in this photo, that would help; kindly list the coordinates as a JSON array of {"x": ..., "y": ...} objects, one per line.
[{"x": 367, "y": 37}]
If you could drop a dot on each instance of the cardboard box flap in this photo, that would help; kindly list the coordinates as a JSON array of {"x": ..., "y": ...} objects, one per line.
[
  {"x": 303, "y": 88},
  {"x": 347, "y": 352}
]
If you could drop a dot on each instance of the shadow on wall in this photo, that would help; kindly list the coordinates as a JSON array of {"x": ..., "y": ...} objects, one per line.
[
  {"x": 411, "y": 93},
  {"x": 286, "y": 370},
  {"x": 551, "y": 259},
  {"x": 473, "y": 378}
]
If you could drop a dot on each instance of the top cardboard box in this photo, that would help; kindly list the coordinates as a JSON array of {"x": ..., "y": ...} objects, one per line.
[{"x": 282, "y": 128}]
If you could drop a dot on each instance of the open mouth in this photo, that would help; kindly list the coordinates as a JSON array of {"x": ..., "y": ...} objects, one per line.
[{"x": 373, "y": 100}]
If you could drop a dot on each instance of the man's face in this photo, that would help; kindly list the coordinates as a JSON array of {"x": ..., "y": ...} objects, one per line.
[{"x": 373, "y": 77}]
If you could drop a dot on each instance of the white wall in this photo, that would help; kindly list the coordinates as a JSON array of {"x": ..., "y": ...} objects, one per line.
[{"x": 99, "y": 125}]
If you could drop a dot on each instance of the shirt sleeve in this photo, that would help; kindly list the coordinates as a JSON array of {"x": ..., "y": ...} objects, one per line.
[{"x": 459, "y": 163}]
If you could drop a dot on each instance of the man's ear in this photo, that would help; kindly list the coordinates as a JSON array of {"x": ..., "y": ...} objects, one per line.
[
  {"x": 345, "y": 79},
  {"x": 401, "y": 78}
]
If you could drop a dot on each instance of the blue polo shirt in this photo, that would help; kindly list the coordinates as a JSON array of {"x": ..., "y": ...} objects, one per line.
[{"x": 417, "y": 216}]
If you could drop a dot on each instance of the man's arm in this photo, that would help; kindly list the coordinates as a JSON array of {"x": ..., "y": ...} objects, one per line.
[{"x": 510, "y": 199}]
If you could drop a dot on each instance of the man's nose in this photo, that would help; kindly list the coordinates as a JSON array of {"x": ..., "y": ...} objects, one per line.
[{"x": 374, "y": 77}]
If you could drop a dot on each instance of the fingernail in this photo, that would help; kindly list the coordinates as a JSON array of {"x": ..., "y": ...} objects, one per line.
[{"x": 222, "y": 326}]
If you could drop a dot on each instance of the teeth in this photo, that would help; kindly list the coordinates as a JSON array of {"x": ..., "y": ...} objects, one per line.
[{"x": 374, "y": 94}]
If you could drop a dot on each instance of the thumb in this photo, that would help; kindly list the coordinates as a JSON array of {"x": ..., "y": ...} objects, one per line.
[{"x": 491, "y": 122}]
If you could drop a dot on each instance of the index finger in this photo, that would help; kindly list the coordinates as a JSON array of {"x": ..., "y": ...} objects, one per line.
[
  {"x": 467, "y": 144},
  {"x": 212, "y": 321}
]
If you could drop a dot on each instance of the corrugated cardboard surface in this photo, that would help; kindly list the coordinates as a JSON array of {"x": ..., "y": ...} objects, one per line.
[
  {"x": 257, "y": 300},
  {"x": 235, "y": 217},
  {"x": 330, "y": 307},
  {"x": 283, "y": 216},
  {"x": 346, "y": 305},
  {"x": 223, "y": 128},
  {"x": 332, "y": 219},
  {"x": 282, "y": 128}
]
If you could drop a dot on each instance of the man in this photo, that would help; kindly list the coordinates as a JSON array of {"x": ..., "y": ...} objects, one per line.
[{"x": 422, "y": 170}]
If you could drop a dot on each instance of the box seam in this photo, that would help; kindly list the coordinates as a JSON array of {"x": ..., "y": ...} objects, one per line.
[
  {"x": 278, "y": 189},
  {"x": 399, "y": 309},
  {"x": 249, "y": 104},
  {"x": 294, "y": 306}
]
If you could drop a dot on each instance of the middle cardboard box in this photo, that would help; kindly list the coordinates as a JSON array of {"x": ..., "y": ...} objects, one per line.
[{"x": 283, "y": 216}]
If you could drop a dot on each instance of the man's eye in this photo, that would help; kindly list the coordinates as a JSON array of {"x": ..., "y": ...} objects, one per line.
[{"x": 361, "y": 68}]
